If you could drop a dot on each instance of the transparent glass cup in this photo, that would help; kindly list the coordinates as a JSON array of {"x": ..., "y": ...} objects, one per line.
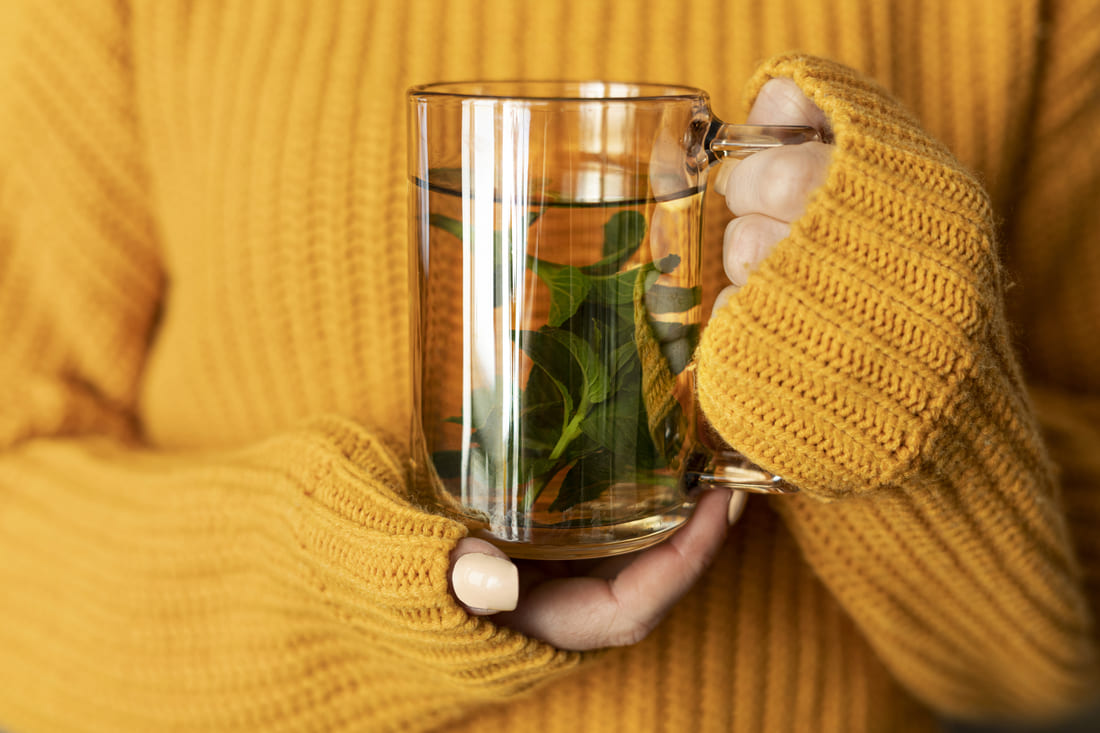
[{"x": 556, "y": 252}]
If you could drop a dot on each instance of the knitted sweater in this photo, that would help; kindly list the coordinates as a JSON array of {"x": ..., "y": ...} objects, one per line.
[{"x": 204, "y": 373}]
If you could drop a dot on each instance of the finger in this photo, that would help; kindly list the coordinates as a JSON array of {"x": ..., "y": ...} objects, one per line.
[
  {"x": 483, "y": 579},
  {"x": 595, "y": 612},
  {"x": 613, "y": 566},
  {"x": 647, "y": 589},
  {"x": 781, "y": 102},
  {"x": 747, "y": 241},
  {"x": 777, "y": 182}
]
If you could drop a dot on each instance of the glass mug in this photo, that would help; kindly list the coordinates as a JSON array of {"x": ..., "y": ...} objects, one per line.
[{"x": 556, "y": 248}]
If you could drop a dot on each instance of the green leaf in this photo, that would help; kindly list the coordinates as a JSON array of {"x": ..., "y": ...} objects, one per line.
[
  {"x": 613, "y": 424},
  {"x": 538, "y": 472},
  {"x": 554, "y": 361},
  {"x": 584, "y": 370},
  {"x": 481, "y": 401},
  {"x": 540, "y": 425},
  {"x": 623, "y": 233},
  {"x": 568, "y": 288},
  {"x": 617, "y": 289},
  {"x": 446, "y": 223},
  {"x": 486, "y": 424},
  {"x": 489, "y": 434},
  {"x": 596, "y": 382},
  {"x": 480, "y": 470},
  {"x": 589, "y": 477},
  {"x": 448, "y": 463},
  {"x": 482, "y": 473},
  {"x": 544, "y": 389},
  {"x": 624, "y": 356},
  {"x": 671, "y": 299},
  {"x": 547, "y": 348}
]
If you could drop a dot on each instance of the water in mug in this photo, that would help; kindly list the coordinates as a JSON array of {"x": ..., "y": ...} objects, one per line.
[{"x": 556, "y": 374}]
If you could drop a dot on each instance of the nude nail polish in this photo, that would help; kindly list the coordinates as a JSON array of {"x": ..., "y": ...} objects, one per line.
[
  {"x": 486, "y": 582},
  {"x": 737, "y": 506}
]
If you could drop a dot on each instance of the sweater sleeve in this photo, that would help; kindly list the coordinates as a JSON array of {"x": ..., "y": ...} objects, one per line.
[
  {"x": 868, "y": 362},
  {"x": 290, "y": 584}
]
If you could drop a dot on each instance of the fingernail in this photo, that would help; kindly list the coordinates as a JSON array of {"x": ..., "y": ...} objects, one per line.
[
  {"x": 486, "y": 582},
  {"x": 737, "y": 506},
  {"x": 721, "y": 176}
]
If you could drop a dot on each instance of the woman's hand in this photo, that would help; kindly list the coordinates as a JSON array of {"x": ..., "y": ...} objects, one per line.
[
  {"x": 595, "y": 603},
  {"x": 769, "y": 190}
]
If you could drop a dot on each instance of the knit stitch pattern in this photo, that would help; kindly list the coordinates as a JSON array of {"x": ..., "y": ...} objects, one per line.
[{"x": 204, "y": 373}]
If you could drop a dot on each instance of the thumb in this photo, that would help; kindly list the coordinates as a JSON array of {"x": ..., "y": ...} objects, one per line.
[
  {"x": 781, "y": 102},
  {"x": 483, "y": 579}
]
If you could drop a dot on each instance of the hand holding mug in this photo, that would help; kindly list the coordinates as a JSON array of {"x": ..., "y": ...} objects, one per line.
[{"x": 768, "y": 190}]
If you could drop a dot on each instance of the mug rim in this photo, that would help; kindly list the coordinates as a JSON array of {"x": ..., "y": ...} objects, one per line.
[{"x": 558, "y": 90}]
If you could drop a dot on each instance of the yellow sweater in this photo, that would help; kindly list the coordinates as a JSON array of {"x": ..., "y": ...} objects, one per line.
[{"x": 204, "y": 375}]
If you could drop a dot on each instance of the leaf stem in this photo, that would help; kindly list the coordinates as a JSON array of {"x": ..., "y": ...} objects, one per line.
[{"x": 572, "y": 430}]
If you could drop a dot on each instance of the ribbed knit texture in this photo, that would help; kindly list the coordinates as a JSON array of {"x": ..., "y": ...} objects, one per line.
[{"x": 204, "y": 383}]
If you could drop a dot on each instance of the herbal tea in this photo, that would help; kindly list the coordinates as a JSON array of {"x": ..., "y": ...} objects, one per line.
[
  {"x": 576, "y": 405},
  {"x": 556, "y": 243}
]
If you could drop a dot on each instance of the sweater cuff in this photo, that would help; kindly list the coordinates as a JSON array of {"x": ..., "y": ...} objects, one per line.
[
  {"x": 838, "y": 362},
  {"x": 382, "y": 566}
]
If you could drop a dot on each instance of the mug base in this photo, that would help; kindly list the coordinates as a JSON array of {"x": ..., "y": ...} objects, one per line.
[{"x": 589, "y": 542}]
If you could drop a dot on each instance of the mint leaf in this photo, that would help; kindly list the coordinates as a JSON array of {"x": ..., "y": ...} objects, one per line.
[
  {"x": 448, "y": 463},
  {"x": 596, "y": 382},
  {"x": 617, "y": 289},
  {"x": 613, "y": 424},
  {"x": 539, "y": 427},
  {"x": 446, "y": 223},
  {"x": 492, "y": 437},
  {"x": 569, "y": 361},
  {"x": 623, "y": 356},
  {"x": 670, "y": 298},
  {"x": 568, "y": 288},
  {"x": 555, "y": 362},
  {"x": 587, "y": 479},
  {"x": 623, "y": 233}
]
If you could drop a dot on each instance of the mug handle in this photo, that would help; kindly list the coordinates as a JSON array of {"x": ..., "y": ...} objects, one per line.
[
  {"x": 724, "y": 140},
  {"x": 716, "y": 464}
]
